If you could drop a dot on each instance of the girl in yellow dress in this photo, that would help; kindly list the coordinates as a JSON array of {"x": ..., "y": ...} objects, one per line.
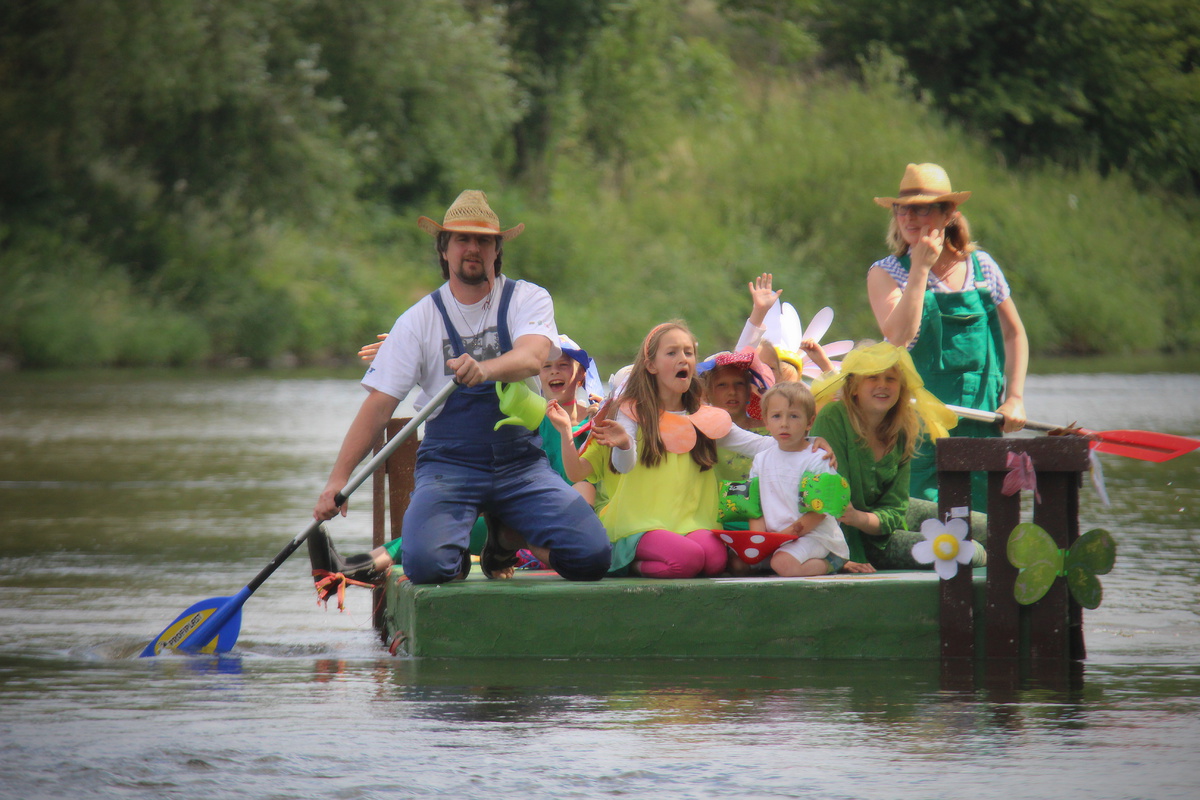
[{"x": 657, "y": 454}]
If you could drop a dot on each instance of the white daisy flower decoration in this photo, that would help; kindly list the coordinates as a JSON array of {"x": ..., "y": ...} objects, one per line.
[
  {"x": 785, "y": 330},
  {"x": 945, "y": 546}
]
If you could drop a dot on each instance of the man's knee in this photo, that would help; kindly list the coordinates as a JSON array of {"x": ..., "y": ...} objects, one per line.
[
  {"x": 583, "y": 565},
  {"x": 589, "y": 554},
  {"x": 438, "y": 565}
]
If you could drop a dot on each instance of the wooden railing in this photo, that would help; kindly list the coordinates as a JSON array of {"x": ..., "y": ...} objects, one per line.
[{"x": 1051, "y": 628}]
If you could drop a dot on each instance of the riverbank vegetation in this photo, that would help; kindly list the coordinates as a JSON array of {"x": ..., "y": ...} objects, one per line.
[{"x": 212, "y": 182}]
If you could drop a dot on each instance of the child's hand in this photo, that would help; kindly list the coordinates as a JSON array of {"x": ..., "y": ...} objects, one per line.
[
  {"x": 367, "y": 351},
  {"x": 816, "y": 354},
  {"x": 611, "y": 433},
  {"x": 819, "y": 445},
  {"x": 559, "y": 417},
  {"x": 848, "y": 516},
  {"x": 854, "y": 566},
  {"x": 762, "y": 298}
]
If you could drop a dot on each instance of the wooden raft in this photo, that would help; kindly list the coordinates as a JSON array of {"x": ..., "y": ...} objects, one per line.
[{"x": 996, "y": 628}]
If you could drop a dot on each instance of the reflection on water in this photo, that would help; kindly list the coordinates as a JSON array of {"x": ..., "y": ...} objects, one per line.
[{"x": 125, "y": 499}]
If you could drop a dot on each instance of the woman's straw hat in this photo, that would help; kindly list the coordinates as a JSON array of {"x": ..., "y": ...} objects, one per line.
[
  {"x": 470, "y": 213},
  {"x": 922, "y": 184}
]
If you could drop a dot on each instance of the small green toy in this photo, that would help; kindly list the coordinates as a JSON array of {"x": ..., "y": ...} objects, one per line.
[
  {"x": 1032, "y": 550},
  {"x": 824, "y": 493},
  {"x": 739, "y": 501},
  {"x": 520, "y": 405}
]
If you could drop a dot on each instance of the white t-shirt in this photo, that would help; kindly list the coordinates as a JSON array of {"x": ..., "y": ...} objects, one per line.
[
  {"x": 779, "y": 473},
  {"x": 417, "y": 348}
]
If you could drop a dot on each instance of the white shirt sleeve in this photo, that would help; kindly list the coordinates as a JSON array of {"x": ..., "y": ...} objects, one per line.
[
  {"x": 752, "y": 336},
  {"x": 532, "y": 312},
  {"x": 403, "y": 360},
  {"x": 623, "y": 461},
  {"x": 747, "y": 443}
]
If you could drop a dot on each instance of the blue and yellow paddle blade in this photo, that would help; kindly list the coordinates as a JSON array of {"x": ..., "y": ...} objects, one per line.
[
  {"x": 1093, "y": 554},
  {"x": 180, "y": 634},
  {"x": 1031, "y": 550}
]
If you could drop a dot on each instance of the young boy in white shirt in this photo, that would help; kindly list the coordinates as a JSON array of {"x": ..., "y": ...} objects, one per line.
[{"x": 788, "y": 410}]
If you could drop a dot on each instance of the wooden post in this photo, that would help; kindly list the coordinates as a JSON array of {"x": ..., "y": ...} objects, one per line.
[
  {"x": 378, "y": 496},
  {"x": 401, "y": 473},
  {"x": 1054, "y": 623},
  {"x": 392, "y": 485},
  {"x": 958, "y": 593}
]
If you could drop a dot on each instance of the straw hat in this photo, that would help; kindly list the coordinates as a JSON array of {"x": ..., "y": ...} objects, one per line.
[
  {"x": 470, "y": 213},
  {"x": 923, "y": 184}
]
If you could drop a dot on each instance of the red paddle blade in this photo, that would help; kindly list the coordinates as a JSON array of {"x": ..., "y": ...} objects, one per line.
[{"x": 1144, "y": 445}]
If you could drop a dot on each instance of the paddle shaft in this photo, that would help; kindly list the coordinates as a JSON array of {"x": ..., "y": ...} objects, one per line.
[
  {"x": 1142, "y": 445},
  {"x": 213, "y": 624},
  {"x": 375, "y": 463},
  {"x": 992, "y": 416},
  {"x": 357, "y": 480}
]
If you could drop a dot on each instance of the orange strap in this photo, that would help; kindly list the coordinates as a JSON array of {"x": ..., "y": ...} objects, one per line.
[{"x": 330, "y": 583}]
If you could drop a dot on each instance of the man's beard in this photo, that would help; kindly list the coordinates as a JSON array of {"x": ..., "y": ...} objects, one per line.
[{"x": 472, "y": 280}]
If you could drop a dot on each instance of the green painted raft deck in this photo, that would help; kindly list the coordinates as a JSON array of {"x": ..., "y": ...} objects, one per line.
[{"x": 537, "y": 614}]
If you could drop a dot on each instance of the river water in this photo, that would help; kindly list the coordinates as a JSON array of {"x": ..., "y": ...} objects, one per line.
[{"x": 125, "y": 498}]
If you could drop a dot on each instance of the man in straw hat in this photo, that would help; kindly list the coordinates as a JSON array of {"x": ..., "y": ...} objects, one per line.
[{"x": 477, "y": 329}]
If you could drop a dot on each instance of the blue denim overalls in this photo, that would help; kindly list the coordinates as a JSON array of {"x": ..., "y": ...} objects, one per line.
[{"x": 465, "y": 466}]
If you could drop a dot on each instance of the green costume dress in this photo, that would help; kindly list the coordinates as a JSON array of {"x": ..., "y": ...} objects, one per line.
[{"x": 882, "y": 488}]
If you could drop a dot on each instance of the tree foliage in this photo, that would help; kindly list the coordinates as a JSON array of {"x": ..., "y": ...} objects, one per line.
[
  {"x": 205, "y": 179},
  {"x": 1110, "y": 83},
  {"x": 425, "y": 89},
  {"x": 548, "y": 38},
  {"x": 127, "y": 97}
]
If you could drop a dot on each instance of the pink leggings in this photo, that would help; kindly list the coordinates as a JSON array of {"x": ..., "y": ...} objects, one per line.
[{"x": 663, "y": 554}]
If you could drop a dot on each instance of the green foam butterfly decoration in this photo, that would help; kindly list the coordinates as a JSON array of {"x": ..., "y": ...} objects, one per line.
[
  {"x": 739, "y": 501},
  {"x": 1040, "y": 561}
]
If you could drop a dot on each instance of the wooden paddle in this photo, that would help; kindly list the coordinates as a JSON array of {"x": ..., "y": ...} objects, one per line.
[
  {"x": 1143, "y": 445},
  {"x": 212, "y": 625}
]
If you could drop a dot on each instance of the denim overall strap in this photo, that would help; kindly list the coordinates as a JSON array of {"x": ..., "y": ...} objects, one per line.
[{"x": 471, "y": 413}]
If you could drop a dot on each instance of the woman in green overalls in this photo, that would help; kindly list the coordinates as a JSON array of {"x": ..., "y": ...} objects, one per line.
[{"x": 948, "y": 302}]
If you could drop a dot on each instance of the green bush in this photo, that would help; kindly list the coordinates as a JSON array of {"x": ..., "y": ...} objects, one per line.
[{"x": 64, "y": 307}]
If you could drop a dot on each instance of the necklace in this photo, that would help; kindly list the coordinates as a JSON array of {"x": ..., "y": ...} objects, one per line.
[{"x": 483, "y": 313}]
